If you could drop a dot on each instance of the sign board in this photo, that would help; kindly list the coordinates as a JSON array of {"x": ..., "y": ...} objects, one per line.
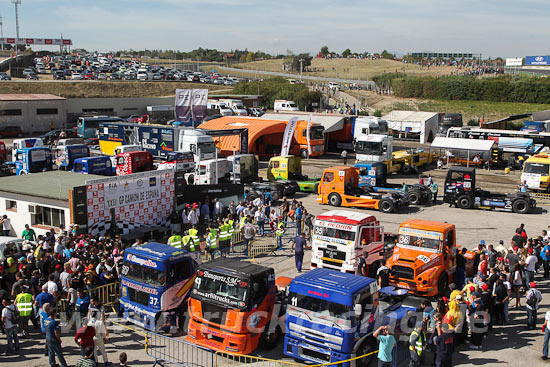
[
  {"x": 537, "y": 60},
  {"x": 514, "y": 61},
  {"x": 36, "y": 41},
  {"x": 532, "y": 180}
]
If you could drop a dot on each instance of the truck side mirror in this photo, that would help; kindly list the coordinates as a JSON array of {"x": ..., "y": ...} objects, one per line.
[{"x": 358, "y": 309}]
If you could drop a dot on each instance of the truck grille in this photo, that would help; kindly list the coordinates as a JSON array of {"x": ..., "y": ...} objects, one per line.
[
  {"x": 138, "y": 296},
  {"x": 402, "y": 272},
  {"x": 316, "y": 355},
  {"x": 213, "y": 313},
  {"x": 332, "y": 263},
  {"x": 333, "y": 254}
]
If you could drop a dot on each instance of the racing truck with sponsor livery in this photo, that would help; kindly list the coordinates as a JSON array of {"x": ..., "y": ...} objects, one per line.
[
  {"x": 342, "y": 236},
  {"x": 155, "y": 279}
]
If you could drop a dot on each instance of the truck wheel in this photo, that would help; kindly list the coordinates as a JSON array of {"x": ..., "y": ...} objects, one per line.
[
  {"x": 270, "y": 341},
  {"x": 21, "y": 173},
  {"x": 407, "y": 170},
  {"x": 442, "y": 284},
  {"x": 465, "y": 202},
  {"x": 414, "y": 197},
  {"x": 368, "y": 346},
  {"x": 386, "y": 206},
  {"x": 520, "y": 206},
  {"x": 251, "y": 197},
  {"x": 303, "y": 153},
  {"x": 316, "y": 189},
  {"x": 335, "y": 199}
]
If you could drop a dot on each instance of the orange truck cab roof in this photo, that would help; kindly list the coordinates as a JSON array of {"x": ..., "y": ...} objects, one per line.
[{"x": 428, "y": 225}]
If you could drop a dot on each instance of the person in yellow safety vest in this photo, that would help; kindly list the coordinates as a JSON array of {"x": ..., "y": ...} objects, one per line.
[
  {"x": 23, "y": 301},
  {"x": 242, "y": 222},
  {"x": 211, "y": 239},
  {"x": 224, "y": 235},
  {"x": 194, "y": 234},
  {"x": 188, "y": 243},
  {"x": 279, "y": 233},
  {"x": 175, "y": 240},
  {"x": 417, "y": 344},
  {"x": 231, "y": 226}
]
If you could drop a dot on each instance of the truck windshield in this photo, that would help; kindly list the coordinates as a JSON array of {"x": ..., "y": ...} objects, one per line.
[
  {"x": 421, "y": 242},
  {"x": 143, "y": 274},
  {"x": 228, "y": 290},
  {"x": 206, "y": 148},
  {"x": 369, "y": 147},
  {"x": 316, "y": 133},
  {"x": 334, "y": 233},
  {"x": 538, "y": 168},
  {"x": 320, "y": 306}
]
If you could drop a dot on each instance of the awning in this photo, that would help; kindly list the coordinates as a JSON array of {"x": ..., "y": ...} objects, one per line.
[
  {"x": 517, "y": 145},
  {"x": 406, "y": 126},
  {"x": 329, "y": 122},
  {"x": 477, "y": 145}
]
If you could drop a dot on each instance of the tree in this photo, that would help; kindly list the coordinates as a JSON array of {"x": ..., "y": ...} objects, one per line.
[
  {"x": 306, "y": 61},
  {"x": 242, "y": 58},
  {"x": 386, "y": 55},
  {"x": 324, "y": 50},
  {"x": 346, "y": 53},
  {"x": 250, "y": 57}
]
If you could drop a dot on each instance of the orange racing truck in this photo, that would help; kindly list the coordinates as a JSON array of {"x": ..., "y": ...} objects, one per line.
[
  {"x": 424, "y": 257},
  {"x": 339, "y": 186},
  {"x": 231, "y": 306}
]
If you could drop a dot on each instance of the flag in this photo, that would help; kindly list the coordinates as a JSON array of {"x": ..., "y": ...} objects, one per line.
[
  {"x": 288, "y": 135},
  {"x": 183, "y": 105},
  {"x": 308, "y": 130},
  {"x": 198, "y": 106},
  {"x": 482, "y": 120}
]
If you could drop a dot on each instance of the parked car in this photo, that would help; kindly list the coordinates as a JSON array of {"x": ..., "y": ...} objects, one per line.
[
  {"x": 41, "y": 70},
  {"x": 157, "y": 76},
  {"x": 255, "y": 111},
  {"x": 11, "y": 132},
  {"x": 59, "y": 75},
  {"x": 4, "y": 76},
  {"x": 76, "y": 76},
  {"x": 32, "y": 76},
  {"x": 52, "y": 135},
  {"x": 27, "y": 72},
  {"x": 101, "y": 76},
  {"x": 116, "y": 76},
  {"x": 89, "y": 76}
]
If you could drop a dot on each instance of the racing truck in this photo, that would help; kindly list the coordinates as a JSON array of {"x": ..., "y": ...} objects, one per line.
[
  {"x": 231, "y": 307},
  {"x": 331, "y": 317},
  {"x": 339, "y": 186},
  {"x": 373, "y": 177},
  {"x": 289, "y": 169},
  {"x": 461, "y": 191}
]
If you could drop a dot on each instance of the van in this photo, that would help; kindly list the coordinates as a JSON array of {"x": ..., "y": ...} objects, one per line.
[
  {"x": 283, "y": 105},
  {"x": 221, "y": 106},
  {"x": 236, "y": 105},
  {"x": 142, "y": 74},
  {"x": 333, "y": 85}
]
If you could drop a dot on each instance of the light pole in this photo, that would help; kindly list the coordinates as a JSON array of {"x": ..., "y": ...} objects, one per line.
[
  {"x": 16, "y": 3},
  {"x": 301, "y": 60}
]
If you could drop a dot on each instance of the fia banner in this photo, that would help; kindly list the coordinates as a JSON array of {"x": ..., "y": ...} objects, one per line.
[
  {"x": 199, "y": 101},
  {"x": 289, "y": 134},
  {"x": 308, "y": 131},
  {"x": 183, "y": 104},
  {"x": 131, "y": 191}
]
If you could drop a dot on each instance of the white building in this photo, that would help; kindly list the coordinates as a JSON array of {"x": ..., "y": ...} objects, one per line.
[
  {"x": 412, "y": 125},
  {"x": 33, "y": 112}
]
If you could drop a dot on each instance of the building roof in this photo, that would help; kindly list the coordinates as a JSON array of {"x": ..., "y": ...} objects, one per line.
[
  {"x": 157, "y": 251},
  {"x": 330, "y": 122},
  {"x": 412, "y": 116},
  {"x": 345, "y": 217},
  {"x": 477, "y": 145},
  {"x": 257, "y": 127},
  {"x": 30, "y": 97},
  {"x": 51, "y": 185}
]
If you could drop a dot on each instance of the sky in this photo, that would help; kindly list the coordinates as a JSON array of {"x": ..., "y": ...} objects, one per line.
[{"x": 493, "y": 28}]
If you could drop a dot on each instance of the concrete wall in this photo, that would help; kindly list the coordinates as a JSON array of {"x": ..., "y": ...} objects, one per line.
[
  {"x": 29, "y": 120},
  {"x": 21, "y": 215}
]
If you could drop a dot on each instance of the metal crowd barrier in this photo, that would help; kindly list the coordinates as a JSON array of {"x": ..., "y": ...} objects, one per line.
[
  {"x": 540, "y": 197},
  {"x": 176, "y": 351},
  {"x": 262, "y": 246},
  {"x": 108, "y": 294}
]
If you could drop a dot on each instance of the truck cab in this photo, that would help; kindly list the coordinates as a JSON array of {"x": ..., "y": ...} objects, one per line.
[
  {"x": 3, "y": 152},
  {"x": 196, "y": 141},
  {"x": 25, "y": 143},
  {"x": 179, "y": 161},
  {"x": 288, "y": 170},
  {"x": 424, "y": 257},
  {"x": 231, "y": 305},
  {"x": 210, "y": 172},
  {"x": 316, "y": 140},
  {"x": 65, "y": 155},
  {"x": 32, "y": 160},
  {"x": 536, "y": 172},
  {"x": 96, "y": 165},
  {"x": 373, "y": 148},
  {"x": 154, "y": 278},
  {"x": 339, "y": 186},
  {"x": 340, "y": 237},
  {"x": 244, "y": 167},
  {"x": 133, "y": 162},
  {"x": 331, "y": 316}
]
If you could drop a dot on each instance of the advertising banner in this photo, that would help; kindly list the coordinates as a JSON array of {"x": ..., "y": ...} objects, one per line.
[
  {"x": 183, "y": 104},
  {"x": 36, "y": 41},
  {"x": 308, "y": 130},
  {"x": 199, "y": 101},
  {"x": 289, "y": 134},
  {"x": 514, "y": 61},
  {"x": 537, "y": 60}
]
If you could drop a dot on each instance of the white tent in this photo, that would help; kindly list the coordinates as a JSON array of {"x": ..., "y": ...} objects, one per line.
[
  {"x": 471, "y": 146},
  {"x": 422, "y": 124}
]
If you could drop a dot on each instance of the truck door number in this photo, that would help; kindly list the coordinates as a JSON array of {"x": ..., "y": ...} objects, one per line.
[
  {"x": 153, "y": 301},
  {"x": 294, "y": 301},
  {"x": 404, "y": 240},
  {"x": 125, "y": 270}
]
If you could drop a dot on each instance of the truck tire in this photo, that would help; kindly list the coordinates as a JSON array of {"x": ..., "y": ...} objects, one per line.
[
  {"x": 251, "y": 197},
  {"x": 465, "y": 202},
  {"x": 520, "y": 206},
  {"x": 270, "y": 341},
  {"x": 334, "y": 199},
  {"x": 442, "y": 283},
  {"x": 386, "y": 206},
  {"x": 368, "y": 346},
  {"x": 407, "y": 170},
  {"x": 414, "y": 197},
  {"x": 316, "y": 189},
  {"x": 303, "y": 153}
]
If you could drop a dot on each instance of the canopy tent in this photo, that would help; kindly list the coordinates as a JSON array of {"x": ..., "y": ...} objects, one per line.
[{"x": 471, "y": 146}]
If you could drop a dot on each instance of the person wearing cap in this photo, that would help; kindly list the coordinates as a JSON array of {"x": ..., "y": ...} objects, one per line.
[
  {"x": 193, "y": 216},
  {"x": 23, "y": 302},
  {"x": 417, "y": 345},
  {"x": 185, "y": 217},
  {"x": 530, "y": 266},
  {"x": 533, "y": 299}
]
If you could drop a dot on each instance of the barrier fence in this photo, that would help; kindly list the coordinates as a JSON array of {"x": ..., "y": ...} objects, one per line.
[
  {"x": 176, "y": 351},
  {"x": 262, "y": 246},
  {"x": 540, "y": 197},
  {"x": 108, "y": 294}
]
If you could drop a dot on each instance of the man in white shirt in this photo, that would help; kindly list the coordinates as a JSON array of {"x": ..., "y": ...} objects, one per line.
[
  {"x": 530, "y": 267},
  {"x": 8, "y": 314},
  {"x": 257, "y": 202},
  {"x": 546, "y": 335},
  {"x": 218, "y": 208},
  {"x": 193, "y": 218},
  {"x": 533, "y": 299},
  {"x": 6, "y": 225}
]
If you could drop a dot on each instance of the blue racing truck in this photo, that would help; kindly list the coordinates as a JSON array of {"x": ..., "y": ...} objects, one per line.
[
  {"x": 373, "y": 176},
  {"x": 65, "y": 155},
  {"x": 331, "y": 316},
  {"x": 155, "y": 281},
  {"x": 32, "y": 160},
  {"x": 96, "y": 165}
]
